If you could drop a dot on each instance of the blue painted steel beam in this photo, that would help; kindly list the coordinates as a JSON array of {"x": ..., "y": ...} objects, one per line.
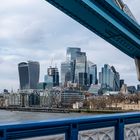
[{"x": 105, "y": 19}]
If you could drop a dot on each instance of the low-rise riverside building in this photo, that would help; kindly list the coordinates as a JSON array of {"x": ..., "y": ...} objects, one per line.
[
  {"x": 3, "y": 101},
  {"x": 24, "y": 97},
  {"x": 14, "y": 99},
  {"x": 127, "y": 106},
  {"x": 44, "y": 99},
  {"x": 77, "y": 105},
  {"x": 69, "y": 97}
]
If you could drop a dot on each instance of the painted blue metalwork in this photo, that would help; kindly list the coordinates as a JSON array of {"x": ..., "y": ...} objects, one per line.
[
  {"x": 105, "y": 19},
  {"x": 70, "y": 127}
]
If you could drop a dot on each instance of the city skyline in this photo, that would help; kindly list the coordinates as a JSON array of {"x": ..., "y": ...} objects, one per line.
[
  {"x": 29, "y": 35},
  {"x": 76, "y": 60}
]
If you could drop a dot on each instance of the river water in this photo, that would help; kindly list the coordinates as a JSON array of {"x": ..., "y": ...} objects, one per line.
[{"x": 17, "y": 116}]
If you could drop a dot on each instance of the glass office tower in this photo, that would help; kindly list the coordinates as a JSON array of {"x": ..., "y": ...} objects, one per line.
[
  {"x": 110, "y": 77},
  {"x": 28, "y": 74},
  {"x": 81, "y": 65},
  {"x": 71, "y": 56},
  {"x": 76, "y": 62},
  {"x": 116, "y": 82},
  {"x": 92, "y": 72},
  {"x": 72, "y": 53},
  {"x": 66, "y": 73}
]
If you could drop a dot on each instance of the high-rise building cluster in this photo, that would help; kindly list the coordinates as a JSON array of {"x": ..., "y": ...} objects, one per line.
[
  {"x": 78, "y": 75},
  {"x": 29, "y": 76},
  {"x": 76, "y": 71}
]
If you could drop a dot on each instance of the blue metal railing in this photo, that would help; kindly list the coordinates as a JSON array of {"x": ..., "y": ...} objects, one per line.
[{"x": 70, "y": 127}]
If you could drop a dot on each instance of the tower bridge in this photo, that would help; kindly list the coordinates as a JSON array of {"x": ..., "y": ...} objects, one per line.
[{"x": 113, "y": 21}]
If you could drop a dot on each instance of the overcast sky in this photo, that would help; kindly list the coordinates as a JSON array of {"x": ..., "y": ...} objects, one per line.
[{"x": 35, "y": 30}]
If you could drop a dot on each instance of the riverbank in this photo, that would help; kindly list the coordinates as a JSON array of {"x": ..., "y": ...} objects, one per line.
[{"x": 63, "y": 110}]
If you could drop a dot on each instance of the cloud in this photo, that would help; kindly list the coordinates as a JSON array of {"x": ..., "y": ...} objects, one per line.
[{"x": 35, "y": 30}]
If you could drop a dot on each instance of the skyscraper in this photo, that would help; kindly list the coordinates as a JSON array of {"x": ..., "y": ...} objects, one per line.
[
  {"x": 72, "y": 53},
  {"x": 66, "y": 72},
  {"x": 76, "y": 62},
  {"x": 28, "y": 74},
  {"x": 109, "y": 77},
  {"x": 52, "y": 76},
  {"x": 53, "y": 71},
  {"x": 82, "y": 79},
  {"x": 80, "y": 66},
  {"x": 71, "y": 56},
  {"x": 92, "y": 72},
  {"x": 121, "y": 82},
  {"x": 116, "y": 82}
]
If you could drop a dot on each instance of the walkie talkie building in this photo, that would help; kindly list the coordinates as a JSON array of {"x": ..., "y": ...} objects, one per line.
[{"x": 28, "y": 74}]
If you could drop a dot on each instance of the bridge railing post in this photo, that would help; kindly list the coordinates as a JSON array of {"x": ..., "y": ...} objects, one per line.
[
  {"x": 72, "y": 134},
  {"x": 119, "y": 130},
  {"x": 2, "y": 134}
]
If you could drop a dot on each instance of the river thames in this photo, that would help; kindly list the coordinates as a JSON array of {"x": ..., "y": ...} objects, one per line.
[{"x": 19, "y": 116}]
